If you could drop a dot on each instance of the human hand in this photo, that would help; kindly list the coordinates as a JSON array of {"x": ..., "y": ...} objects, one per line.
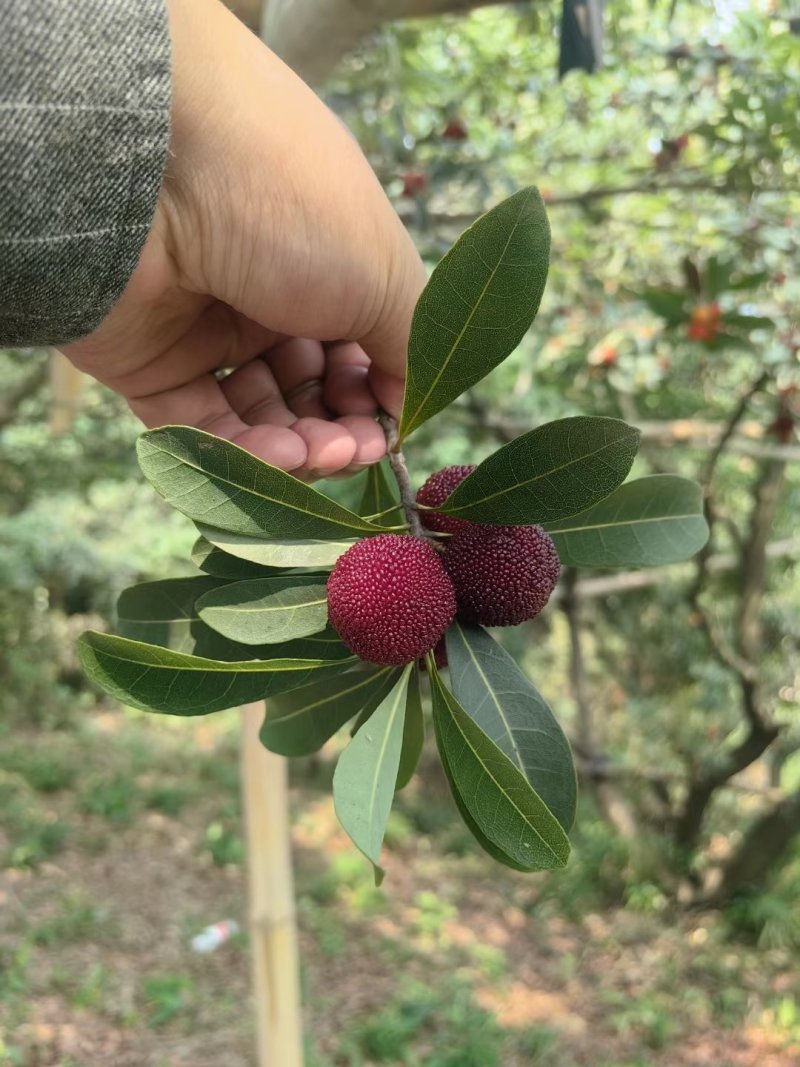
[{"x": 273, "y": 251}]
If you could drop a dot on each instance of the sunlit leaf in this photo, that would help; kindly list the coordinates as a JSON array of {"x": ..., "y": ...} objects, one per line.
[
  {"x": 365, "y": 775},
  {"x": 550, "y": 473},
  {"x": 477, "y": 306},
  {"x": 165, "y": 613},
  {"x": 262, "y": 611},
  {"x": 325, "y": 645},
  {"x": 273, "y": 552},
  {"x": 207, "y": 557},
  {"x": 645, "y": 523}
]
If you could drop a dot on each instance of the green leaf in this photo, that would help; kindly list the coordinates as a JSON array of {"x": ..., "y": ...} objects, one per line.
[
  {"x": 212, "y": 560},
  {"x": 484, "y": 842},
  {"x": 413, "y": 734},
  {"x": 158, "y": 679},
  {"x": 550, "y": 473},
  {"x": 325, "y": 645},
  {"x": 379, "y": 500},
  {"x": 477, "y": 306},
  {"x": 278, "y": 552},
  {"x": 748, "y": 281},
  {"x": 645, "y": 523},
  {"x": 301, "y": 721},
  {"x": 216, "y": 482},
  {"x": 365, "y": 776},
  {"x": 669, "y": 305},
  {"x": 163, "y": 612},
  {"x": 499, "y": 798},
  {"x": 748, "y": 322},
  {"x": 262, "y": 611},
  {"x": 495, "y": 693}
]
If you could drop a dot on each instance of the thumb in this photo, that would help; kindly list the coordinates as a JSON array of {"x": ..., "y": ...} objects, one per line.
[{"x": 386, "y": 338}]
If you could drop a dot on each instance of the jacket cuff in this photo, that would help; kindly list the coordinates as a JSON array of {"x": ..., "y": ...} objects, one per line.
[{"x": 84, "y": 133}]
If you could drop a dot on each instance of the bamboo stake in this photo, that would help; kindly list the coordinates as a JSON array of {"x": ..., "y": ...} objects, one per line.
[
  {"x": 66, "y": 384},
  {"x": 273, "y": 932}
]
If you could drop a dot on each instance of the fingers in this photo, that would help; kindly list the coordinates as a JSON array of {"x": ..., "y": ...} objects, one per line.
[
  {"x": 347, "y": 390},
  {"x": 385, "y": 339},
  {"x": 251, "y": 222},
  {"x": 247, "y": 408},
  {"x": 202, "y": 403},
  {"x": 255, "y": 395},
  {"x": 298, "y": 366}
]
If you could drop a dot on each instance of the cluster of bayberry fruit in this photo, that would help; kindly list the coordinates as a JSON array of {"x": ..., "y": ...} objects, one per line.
[{"x": 392, "y": 597}]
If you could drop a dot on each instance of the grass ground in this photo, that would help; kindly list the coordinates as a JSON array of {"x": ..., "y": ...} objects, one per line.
[{"x": 121, "y": 839}]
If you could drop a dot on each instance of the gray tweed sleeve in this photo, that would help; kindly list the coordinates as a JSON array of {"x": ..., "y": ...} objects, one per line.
[{"x": 84, "y": 128}]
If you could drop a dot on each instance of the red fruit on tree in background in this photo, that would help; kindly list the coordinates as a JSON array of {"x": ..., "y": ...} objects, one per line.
[
  {"x": 455, "y": 130},
  {"x": 435, "y": 491},
  {"x": 414, "y": 183},
  {"x": 390, "y": 599},
  {"x": 705, "y": 322},
  {"x": 670, "y": 152},
  {"x": 502, "y": 575},
  {"x": 604, "y": 355}
]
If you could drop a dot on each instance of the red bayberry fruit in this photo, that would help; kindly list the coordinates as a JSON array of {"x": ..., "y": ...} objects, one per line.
[
  {"x": 604, "y": 355},
  {"x": 390, "y": 599},
  {"x": 435, "y": 491},
  {"x": 705, "y": 322},
  {"x": 414, "y": 182},
  {"x": 502, "y": 575},
  {"x": 455, "y": 130}
]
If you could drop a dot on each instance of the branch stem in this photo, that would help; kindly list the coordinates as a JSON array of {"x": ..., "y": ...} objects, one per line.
[{"x": 400, "y": 472}]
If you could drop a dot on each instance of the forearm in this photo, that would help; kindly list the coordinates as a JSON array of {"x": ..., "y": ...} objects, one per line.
[{"x": 84, "y": 127}]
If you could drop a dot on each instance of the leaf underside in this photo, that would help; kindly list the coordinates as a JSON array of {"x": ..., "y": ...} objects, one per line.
[
  {"x": 212, "y": 560},
  {"x": 267, "y": 610},
  {"x": 278, "y": 552}
]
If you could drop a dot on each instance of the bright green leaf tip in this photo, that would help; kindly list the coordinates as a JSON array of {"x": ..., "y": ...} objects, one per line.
[{"x": 477, "y": 306}]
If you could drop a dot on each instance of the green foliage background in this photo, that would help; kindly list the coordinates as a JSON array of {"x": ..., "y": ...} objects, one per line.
[{"x": 642, "y": 234}]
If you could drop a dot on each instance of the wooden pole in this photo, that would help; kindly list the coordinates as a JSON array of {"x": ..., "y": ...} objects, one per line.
[
  {"x": 273, "y": 931},
  {"x": 66, "y": 384}
]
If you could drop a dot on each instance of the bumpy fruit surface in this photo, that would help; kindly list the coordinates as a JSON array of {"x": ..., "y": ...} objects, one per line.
[
  {"x": 435, "y": 491},
  {"x": 502, "y": 575},
  {"x": 390, "y": 599}
]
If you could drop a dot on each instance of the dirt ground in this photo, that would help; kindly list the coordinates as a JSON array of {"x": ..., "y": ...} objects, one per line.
[{"x": 452, "y": 963}]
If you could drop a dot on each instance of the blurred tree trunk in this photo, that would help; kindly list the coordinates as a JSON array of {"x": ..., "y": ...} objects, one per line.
[{"x": 762, "y": 849}]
